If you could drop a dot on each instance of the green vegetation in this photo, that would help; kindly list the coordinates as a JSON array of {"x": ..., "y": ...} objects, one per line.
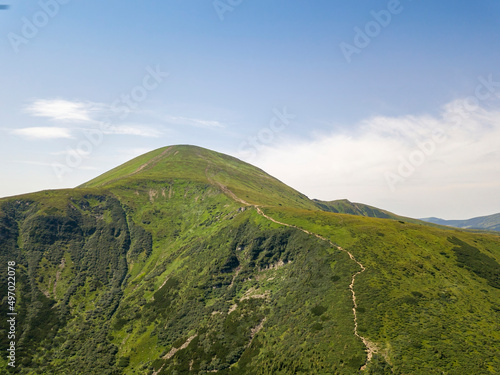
[
  {"x": 415, "y": 301},
  {"x": 157, "y": 267},
  {"x": 482, "y": 265}
]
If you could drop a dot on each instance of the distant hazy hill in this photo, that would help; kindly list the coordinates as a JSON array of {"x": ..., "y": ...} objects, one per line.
[
  {"x": 344, "y": 206},
  {"x": 491, "y": 222},
  {"x": 188, "y": 261}
]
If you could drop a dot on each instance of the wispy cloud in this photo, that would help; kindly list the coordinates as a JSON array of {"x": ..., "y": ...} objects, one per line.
[
  {"x": 51, "y": 164},
  {"x": 70, "y": 152},
  {"x": 43, "y": 133},
  {"x": 132, "y": 129},
  {"x": 37, "y": 163},
  {"x": 459, "y": 171},
  {"x": 81, "y": 116},
  {"x": 178, "y": 120},
  {"x": 92, "y": 112},
  {"x": 64, "y": 110}
]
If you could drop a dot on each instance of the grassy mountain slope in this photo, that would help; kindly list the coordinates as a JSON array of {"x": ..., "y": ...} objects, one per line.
[
  {"x": 425, "y": 290},
  {"x": 164, "y": 265},
  {"x": 200, "y": 165},
  {"x": 196, "y": 265},
  {"x": 490, "y": 222}
]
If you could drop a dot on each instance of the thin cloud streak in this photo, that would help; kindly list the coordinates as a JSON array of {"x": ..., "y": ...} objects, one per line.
[
  {"x": 64, "y": 110},
  {"x": 137, "y": 130},
  {"x": 86, "y": 115},
  {"x": 50, "y": 164},
  {"x": 198, "y": 123},
  {"x": 43, "y": 133},
  {"x": 80, "y": 111}
]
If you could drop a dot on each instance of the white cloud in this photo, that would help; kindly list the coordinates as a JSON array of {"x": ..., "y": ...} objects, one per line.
[
  {"x": 64, "y": 110},
  {"x": 137, "y": 130},
  {"x": 138, "y": 151},
  {"x": 37, "y": 163},
  {"x": 88, "y": 115},
  {"x": 445, "y": 163},
  {"x": 72, "y": 152},
  {"x": 178, "y": 120},
  {"x": 43, "y": 133},
  {"x": 47, "y": 133},
  {"x": 51, "y": 165}
]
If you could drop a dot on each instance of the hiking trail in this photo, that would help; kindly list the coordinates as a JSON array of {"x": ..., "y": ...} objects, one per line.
[{"x": 371, "y": 348}]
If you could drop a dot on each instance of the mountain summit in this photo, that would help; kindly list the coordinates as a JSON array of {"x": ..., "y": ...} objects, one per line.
[
  {"x": 189, "y": 261},
  {"x": 203, "y": 166}
]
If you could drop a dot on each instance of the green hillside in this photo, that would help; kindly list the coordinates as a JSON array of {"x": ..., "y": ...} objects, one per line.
[
  {"x": 187, "y": 261},
  {"x": 200, "y": 165}
]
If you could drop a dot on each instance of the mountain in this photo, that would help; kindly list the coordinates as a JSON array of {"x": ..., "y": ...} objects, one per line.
[
  {"x": 491, "y": 222},
  {"x": 187, "y": 261},
  {"x": 344, "y": 206},
  {"x": 202, "y": 166}
]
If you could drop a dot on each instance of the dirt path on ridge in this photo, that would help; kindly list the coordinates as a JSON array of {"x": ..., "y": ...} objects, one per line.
[{"x": 371, "y": 348}]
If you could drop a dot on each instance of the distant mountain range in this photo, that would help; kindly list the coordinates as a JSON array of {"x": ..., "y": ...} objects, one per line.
[
  {"x": 490, "y": 222},
  {"x": 344, "y": 206}
]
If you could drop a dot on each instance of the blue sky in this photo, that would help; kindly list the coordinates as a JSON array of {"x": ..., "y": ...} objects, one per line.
[{"x": 87, "y": 85}]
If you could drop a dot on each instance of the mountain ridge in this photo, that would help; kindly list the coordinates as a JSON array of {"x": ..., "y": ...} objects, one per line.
[{"x": 488, "y": 222}]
